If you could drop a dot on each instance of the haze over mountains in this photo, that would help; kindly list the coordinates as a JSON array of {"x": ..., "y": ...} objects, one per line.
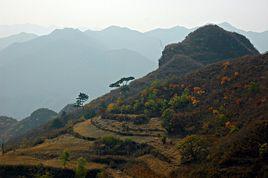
[
  {"x": 51, "y": 70},
  {"x": 11, "y": 128},
  {"x": 209, "y": 93},
  {"x": 8, "y": 30},
  {"x": 87, "y": 61},
  {"x": 18, "y": 38}
]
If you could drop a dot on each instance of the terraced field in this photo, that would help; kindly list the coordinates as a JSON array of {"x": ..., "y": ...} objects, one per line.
[
  {"x": 52, "y": 148},
  {"x": 48, "y": 152},
  {"x": 81, "y": 142},
  {"x": 98, "y": 127}
]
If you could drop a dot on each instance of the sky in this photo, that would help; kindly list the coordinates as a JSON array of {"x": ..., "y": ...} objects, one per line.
[{"x": 141, "y": 15}]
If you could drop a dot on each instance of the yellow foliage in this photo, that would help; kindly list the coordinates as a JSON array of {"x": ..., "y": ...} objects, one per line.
[
  {"x": 215, "y": 111},
  {"x": 119, "y": 101}
]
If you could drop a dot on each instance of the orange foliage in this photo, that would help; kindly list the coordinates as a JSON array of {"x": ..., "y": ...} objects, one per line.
[
  {"x": 224, "y": 79},
  {"x": 226, "y": 65},
  {"x": 236, "y": 74},
  {"x": 198, "y": 90},
  {"x": 111, "y": 106},
  {"x": 226, "y": 97},
  {"x": 193, "y": 100}
]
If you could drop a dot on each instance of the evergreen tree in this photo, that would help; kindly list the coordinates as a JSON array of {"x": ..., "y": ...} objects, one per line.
[{"x": 81, "y": 99}]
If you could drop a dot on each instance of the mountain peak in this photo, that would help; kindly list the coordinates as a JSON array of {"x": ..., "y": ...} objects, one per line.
[
  {"x": 210, "y": 43},
  {"x": 227, "y": 24},
  {"x": 42, "y": 111},
  {"x": 206, "y": 29},
  {"x": 118, "y": 29},
  {"x": 66, "y": 31}
]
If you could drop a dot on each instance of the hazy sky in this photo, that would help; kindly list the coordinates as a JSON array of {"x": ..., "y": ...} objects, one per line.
[{"x": 138, "y": 14}]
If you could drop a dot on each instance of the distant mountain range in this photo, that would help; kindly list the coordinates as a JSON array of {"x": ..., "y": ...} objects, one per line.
[
  {"x": 8, "y": 30},
  {"x": 18, "y": 38},
  {"x": 258, "y": 39},
  {"x": 68, "y": 61},
  {"x": 49, "y": 71},
  {"x": 149, "y": 44},
  {"x": 178, "y": 33},
  {"x": 124, "y": 38}
]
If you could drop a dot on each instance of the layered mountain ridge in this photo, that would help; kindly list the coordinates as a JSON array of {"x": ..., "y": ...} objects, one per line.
[
  {"x": 11, "y": 128},
  {"x": 202, "y": 113},
  {"x": 68, "y": 61},
  {"x": 177, "y": 65}
]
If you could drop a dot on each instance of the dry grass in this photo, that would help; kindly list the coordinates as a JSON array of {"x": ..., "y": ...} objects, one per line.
[
  {"x": 48, "y": 152},
  {"x": 160, "y": 167},
  {"x": 42, "y": 153},
  {"x": 13, "y": 160},
  {"x": 56, "y": 146},
  {"x": 86, "y": 129},
  {"x": 139, "y": 170},
  {"x": 116, "y": 173}
]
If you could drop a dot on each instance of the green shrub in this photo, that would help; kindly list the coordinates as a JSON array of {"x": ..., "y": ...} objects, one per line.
[
  {"x": 125, "y": 109},
  {"x": 177, "y": 102},
  {"x": 102, "y": 174},
  {"x": 154, "y": 107},
  {"x": 65, "y": 158},
  {"x": 263, "y": 150},
  {"x": 151, "y": 107},
  {"x": 193, "y": 148},
  {"x": 166, "y": 118},
  {"x": 138, "y": 106},
  {"x": 164, "y": 139},
  {"x": 81, "y": 170},
  {"x": 223, "y": 118},
  {"x": 113, "y": 146},
  {"x": 253, "y": 87},
  {"x": 110, "y": 141},
  {"x": 233, "y": 129}
]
